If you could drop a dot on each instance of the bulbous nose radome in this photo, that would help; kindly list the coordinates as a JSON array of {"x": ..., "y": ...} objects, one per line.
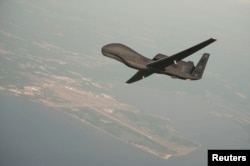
[
  {"x": 112, "y": 49},
  {"x": 106, "y": 49}
]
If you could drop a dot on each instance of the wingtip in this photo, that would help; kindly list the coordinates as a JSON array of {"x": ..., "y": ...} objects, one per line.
[
  {"x": 129, "y": 81},
  {"x": 214, "y": 39}
]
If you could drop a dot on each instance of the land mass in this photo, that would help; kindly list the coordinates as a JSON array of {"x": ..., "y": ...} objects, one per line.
[
  {"x": 61, "y": 81},
  {"x": 148, "y": 132}
]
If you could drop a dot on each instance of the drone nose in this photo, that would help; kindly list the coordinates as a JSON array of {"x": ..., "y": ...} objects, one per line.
[{"x": 106, "y": 49}]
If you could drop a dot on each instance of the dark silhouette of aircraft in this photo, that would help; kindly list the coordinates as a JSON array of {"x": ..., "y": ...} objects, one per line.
[{"x": 161, "y": 64}]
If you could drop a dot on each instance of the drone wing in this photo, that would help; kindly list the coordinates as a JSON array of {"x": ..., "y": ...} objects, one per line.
[
  {"x": 140, "y": 75},
  {"x": 165, "y": 62}
]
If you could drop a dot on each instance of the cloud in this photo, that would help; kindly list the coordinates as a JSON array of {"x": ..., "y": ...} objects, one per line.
[
  {"x": 3, "y": 51},
  {"x": 46, "y": 45},
  {"x": 241, "y": 95},
  {"x": 8, "y": 34}
]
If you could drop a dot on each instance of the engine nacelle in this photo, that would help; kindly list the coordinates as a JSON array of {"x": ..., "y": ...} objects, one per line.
[{"x": 159, "y": 56}]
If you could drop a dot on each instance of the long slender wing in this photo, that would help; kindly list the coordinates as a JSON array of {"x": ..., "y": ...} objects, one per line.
[
  {"x": 139, "y": 75},
  {"x": 162, "y": 63}
]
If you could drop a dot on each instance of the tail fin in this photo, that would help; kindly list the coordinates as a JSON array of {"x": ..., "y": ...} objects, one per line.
[{"x": 200, "y": 67}]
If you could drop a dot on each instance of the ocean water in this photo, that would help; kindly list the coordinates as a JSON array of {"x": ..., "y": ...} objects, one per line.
[{"x": 33, "y": 134}]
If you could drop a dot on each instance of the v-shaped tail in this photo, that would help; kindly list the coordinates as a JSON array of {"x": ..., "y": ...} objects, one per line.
[{"x": 200, "y": 67}]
